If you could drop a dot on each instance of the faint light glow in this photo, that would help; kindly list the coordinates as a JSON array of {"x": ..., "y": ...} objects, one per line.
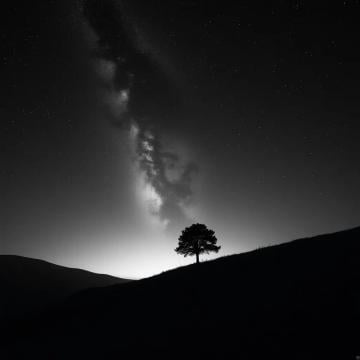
[
  {"x": 148, "y": 135},
  {"x": 147, "y": 157},
  {"x": 124, "y": 96},
  {"x": 148, "y": 197},
  {"x": 118, "y": 101},
  {"x": 106, "y": 69},
  {"x": 134, "y": 131},
  {"x": 147, "y": 146},
  {"x": 152, "y": 198}
]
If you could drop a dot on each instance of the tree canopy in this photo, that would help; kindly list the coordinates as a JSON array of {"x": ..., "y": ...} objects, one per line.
[{"x": 197, "y": 239}]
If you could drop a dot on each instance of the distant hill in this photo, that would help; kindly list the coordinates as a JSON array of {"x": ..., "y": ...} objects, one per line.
[
  {"x": 298, "y": 300},
  {"x": 30, "y": 284}
]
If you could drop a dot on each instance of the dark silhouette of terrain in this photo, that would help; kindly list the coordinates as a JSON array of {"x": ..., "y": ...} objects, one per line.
[
  {"x": 298, "y": 300},
  {"x": 29, "y": 284}
]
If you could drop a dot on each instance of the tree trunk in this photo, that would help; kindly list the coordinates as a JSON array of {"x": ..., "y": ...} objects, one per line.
[{"x": 197, "y": 258}]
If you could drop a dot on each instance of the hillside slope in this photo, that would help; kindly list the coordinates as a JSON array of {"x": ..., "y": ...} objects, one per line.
[
  {"x": 30, "y": 284},
  {"x": 298, "y": 300}
]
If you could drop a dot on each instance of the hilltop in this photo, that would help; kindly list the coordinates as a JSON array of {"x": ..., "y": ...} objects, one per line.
[
  {"x": 298, "y": 300},
  {"x": 30, "y": 284}
]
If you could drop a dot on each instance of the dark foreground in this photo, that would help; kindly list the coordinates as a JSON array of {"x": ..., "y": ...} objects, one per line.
[{"x": 299, "y": 300}]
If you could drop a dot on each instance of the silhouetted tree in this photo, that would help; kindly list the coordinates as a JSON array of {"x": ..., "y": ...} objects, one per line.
[{"x": 197, "y": 239}]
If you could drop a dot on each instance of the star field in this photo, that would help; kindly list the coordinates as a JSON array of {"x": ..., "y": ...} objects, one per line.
[{"x": 247, "y": 116}]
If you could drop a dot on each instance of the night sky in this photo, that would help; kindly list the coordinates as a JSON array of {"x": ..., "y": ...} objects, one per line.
[{"x": 122, "y": 122}]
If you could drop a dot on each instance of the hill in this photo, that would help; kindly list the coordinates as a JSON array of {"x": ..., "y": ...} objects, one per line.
[
  {"x": 29, "y": 284},
  {"x": 298, "y": 300}
]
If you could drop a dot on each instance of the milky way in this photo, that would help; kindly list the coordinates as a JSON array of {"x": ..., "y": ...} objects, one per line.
[{"x": 132, "y": 94}]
